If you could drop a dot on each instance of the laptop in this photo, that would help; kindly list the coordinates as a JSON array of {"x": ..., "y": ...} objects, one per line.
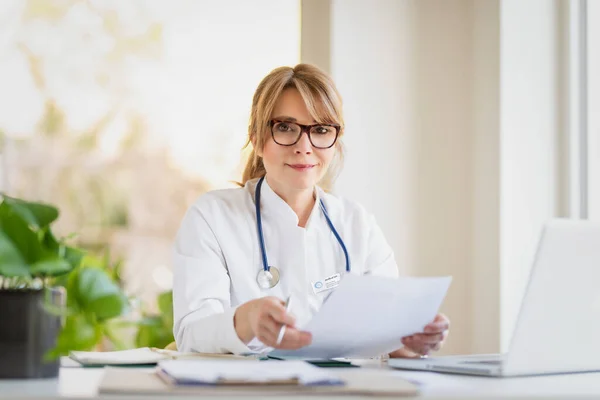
[{"x": 558, "y": 325}]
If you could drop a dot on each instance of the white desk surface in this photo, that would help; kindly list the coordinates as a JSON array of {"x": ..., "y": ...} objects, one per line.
[{"x": 75, "y": 382}]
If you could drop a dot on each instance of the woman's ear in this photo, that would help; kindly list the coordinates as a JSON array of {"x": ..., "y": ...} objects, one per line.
[{"x": 257, "y": 151}]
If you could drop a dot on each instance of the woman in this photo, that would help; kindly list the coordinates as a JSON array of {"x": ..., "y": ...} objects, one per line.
[{"x": 234, "y": 262}]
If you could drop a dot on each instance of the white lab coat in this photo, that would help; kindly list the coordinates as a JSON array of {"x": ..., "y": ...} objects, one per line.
[{"x": 217, "y": 257}]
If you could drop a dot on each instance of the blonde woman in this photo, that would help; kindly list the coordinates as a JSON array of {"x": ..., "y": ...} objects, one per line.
[{"x": 239, "y": 252}]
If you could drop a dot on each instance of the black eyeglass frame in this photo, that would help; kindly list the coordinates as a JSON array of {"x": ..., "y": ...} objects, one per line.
[{"x": 304, "y": 128}]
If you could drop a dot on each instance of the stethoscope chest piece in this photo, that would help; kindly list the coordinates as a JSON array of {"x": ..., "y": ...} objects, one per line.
[{"x": 268, "y": 279}]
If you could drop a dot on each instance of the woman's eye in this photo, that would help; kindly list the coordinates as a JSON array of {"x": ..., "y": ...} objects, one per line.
[
  {"x": 283, "y": 127},
  {"x": 321, "y": 130}
]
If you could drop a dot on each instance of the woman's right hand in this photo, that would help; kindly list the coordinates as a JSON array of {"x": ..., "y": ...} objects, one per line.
[{"x": 264, "y": 318}]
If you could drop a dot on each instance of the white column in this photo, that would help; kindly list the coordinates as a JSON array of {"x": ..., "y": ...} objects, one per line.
[
  {"x": 530, "y": 126},
  {"x": 404, "y": 70},
  {"x": 485, "y": 277},
  {"x": 315, "y": 40},
  {"x": 593, "y": 112}
]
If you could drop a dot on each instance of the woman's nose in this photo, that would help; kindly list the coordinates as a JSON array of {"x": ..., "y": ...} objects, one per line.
[{"x": 304, "y": 145}]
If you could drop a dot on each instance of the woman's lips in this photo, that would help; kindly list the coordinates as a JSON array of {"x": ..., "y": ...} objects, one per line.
[{"x": 301, "y": 167}]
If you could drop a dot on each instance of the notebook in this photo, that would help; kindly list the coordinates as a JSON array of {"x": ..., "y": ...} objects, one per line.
[{"x": 144, "y": 356}]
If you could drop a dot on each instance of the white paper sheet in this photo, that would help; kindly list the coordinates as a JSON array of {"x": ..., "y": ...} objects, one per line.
[
  {"x": 367, "y": 316},
  {"x": 143, "y": 355},
  {"x": 140, "y": 356}
]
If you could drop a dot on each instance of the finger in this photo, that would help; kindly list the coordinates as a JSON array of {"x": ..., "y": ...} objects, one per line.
[
  {"x": 416, "y": 346},
  {"x": 436, "y": 327},
  {"x": 424, "y": 350},
  {"x": 295, "y": 339},
  {"x": 439, "y": 324},
  {"x": 420, "y": 350},
  {"x": 440, "y": 317},
  {"x": 270, "y": 325},
  {"x": 437, "y": 346},
  {"x": 427, "y": 338},
  {"x": 422, "y": 338},
  {"x": 266, "y": 337},
  {"x": 279, "y": 314},
  {"x": 403, "y": 353}
]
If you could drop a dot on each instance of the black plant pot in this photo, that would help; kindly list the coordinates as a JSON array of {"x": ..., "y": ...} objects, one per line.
[{"x": 27, "y": 332}]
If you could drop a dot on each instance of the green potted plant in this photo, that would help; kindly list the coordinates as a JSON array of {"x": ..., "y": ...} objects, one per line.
[
  {"x": 156, "y": 330},
  {"x": 53, "y": 298}
]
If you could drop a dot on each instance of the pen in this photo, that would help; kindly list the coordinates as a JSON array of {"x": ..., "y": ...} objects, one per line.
[{"x": 282, "y": 330}]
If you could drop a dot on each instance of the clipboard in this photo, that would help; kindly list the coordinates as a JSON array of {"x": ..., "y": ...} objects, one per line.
[{"x": 366, "y": 382}]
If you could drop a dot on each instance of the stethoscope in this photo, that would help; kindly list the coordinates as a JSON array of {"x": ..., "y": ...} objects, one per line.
[{"x": 268, "y": 277}]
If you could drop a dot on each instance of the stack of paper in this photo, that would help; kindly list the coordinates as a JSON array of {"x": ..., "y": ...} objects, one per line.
[{"x": 222, "y": 372}]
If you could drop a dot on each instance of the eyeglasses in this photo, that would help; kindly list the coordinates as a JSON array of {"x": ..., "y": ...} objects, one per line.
[{"x": 321, "y": 136}]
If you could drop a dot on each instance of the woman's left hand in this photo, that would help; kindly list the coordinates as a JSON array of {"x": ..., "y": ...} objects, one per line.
[{"x": 421, "y": 344}]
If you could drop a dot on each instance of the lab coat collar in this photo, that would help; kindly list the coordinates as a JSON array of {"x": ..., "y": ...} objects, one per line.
[{"x": 271, "y": 203}]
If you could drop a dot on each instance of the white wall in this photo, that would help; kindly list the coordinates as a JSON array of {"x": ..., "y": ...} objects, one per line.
[
  {"x": 369, "y": 65},
  {"x": 452, "y": 112},
  {"x": 404, "y": 69},
  {"x": 529, "y": 132},
  {"x": 485, "y": 273},
  {"x": 443, "y": 133},
  {"x": 315, "y": 23}
]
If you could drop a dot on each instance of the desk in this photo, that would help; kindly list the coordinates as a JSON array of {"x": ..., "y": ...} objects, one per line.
[{"x": 83, "y": 382}]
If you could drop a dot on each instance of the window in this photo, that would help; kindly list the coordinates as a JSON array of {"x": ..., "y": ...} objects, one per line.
[{"x": 122, "y": 113}]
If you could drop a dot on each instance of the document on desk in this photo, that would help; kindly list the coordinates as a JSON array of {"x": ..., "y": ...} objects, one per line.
[
  {"x": 366, "y": 316},
  {"x": 222, "y": 372},
  {"x": 139, "y": 357}
]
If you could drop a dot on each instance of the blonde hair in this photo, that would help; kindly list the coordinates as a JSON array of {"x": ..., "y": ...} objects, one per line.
[{"x": 322, "y": 100}]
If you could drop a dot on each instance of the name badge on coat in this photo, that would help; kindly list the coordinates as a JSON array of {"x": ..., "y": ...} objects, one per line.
[{"x": 326, "y": 284}]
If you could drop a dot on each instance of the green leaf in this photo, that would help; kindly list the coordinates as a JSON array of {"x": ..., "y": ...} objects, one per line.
[
  {"x": 114, "y": 337},
  {"x": 74, "y": 256},
  {"x": 165, "y": 302},
  {"x": 154, "y": 321},
  {"x": 37, "y": 214},
  {"x": 165, "y": 305},
  {"x": 109, "y": 306},
  {"x": 79, "y": 333},
  {"x": 54, "y": 354},
  {"x": 157, "y": 330},
  {"x": 97, "y": 294},
  {"x": 152, "y": 333},
  {"x": 51, "y": 266},
  {"x": 12, "y": 263},
  {"x": 49, "y": 241},
  {"x": 17, "y": 229}
]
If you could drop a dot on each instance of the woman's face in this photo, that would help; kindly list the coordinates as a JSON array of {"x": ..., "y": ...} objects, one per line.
[{"x": 299, "y": 166}]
